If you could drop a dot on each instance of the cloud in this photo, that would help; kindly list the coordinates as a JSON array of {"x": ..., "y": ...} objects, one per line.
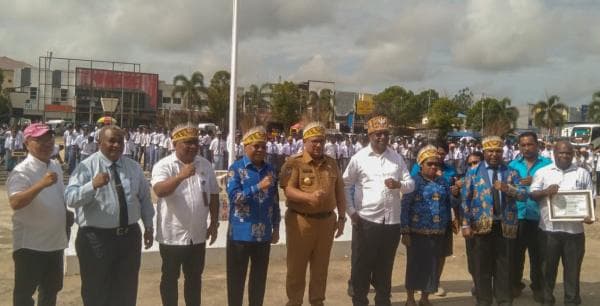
[{"x": 504, "y": 34}]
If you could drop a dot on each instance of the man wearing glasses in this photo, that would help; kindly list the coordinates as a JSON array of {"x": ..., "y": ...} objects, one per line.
[
  {"x": 374, "y": 181},
  {"x": 490, "y": 219},
  {"x": 254, "y": 218},
  {"x": 529, "y": 162}
]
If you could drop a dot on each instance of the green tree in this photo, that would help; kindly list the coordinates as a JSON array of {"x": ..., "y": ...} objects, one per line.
[
  {"x": 498, "y": 119},
  {"x": 287, "y": 102},
  {"x": 463, "y": 99},
  {"x": 442, "y": 115},
  {"x": 218, "y": 97},
  {"x": 594, "y": 109},
  {"x": 549, "y": 114},
  {"x": 400, "y": 106},
  {"x": 5, "y": 104},
  {"x": 190, "y": 90},
  {"x": 256, "y": 100}
]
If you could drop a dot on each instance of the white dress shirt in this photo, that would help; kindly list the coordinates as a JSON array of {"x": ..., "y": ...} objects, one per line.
[
  {"x": 364, "y": 183},
  {"x": 182, "y": 216},
  {"x": 330, "y": 149},
  {"x": 573, "y": 178},
  {"x": 40, "y": 225}
]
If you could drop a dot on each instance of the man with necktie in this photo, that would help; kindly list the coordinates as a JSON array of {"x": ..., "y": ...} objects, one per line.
[
  {"x": 110, "y": 194},
  {"x": 490, "y": 221}
]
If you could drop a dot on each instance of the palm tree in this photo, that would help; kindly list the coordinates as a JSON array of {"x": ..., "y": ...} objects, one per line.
[
  {"x": 190, "y": 90},
  {"x": 549, "y": 114},
  {"x": 594, "y": 109}
]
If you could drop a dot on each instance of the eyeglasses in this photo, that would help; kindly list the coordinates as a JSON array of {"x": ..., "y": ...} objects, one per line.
[
  {"x": 259, "y": 146},
  {"x": 381, "y": 134}
]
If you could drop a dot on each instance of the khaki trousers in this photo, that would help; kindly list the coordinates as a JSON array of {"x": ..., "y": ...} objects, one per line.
[{"x": 309, "y": 240}]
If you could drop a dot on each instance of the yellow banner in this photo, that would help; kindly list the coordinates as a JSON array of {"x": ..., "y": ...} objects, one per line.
[{"x": 365, "y": 104}]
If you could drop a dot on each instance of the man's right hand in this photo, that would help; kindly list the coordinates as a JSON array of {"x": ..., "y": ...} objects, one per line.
[
  {"x": 100, "y": 180},
  {"x": 187, "y": 170},
  {"x": 551, "y": 190},
  {"x": 316, "y": 197},
  {"x": 266, "y": 183},
  {"x": 49, "y": 179},
  {"x": 467, "y": 232}
]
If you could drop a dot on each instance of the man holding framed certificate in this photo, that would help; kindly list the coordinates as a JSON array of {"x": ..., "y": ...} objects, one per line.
[{"x": 553, "y": 187}]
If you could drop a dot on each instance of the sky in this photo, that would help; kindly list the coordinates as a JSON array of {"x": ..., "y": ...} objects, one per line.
[{"x": 524, "y": 50}]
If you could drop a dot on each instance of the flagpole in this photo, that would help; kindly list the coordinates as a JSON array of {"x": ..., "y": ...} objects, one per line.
[{"x": 233, "y": 88}]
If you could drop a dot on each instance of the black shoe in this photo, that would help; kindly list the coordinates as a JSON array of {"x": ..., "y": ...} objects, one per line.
[
  {"x": 350, "y": 290},
  {"x": 538, "y": 297}
]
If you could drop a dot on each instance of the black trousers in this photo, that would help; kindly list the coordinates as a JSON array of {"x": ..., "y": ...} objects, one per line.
[
  {"x": 37, "y": 270},
  {"x": 109, "y": 265},
  {"x": 470, "y": 257},
  {"x": 375, "y": 248},
  {"x": 239, "y": 254},
  {"x": 492, "y": 259},
  {"x": 569, "y": 248},
  {"x": 527, "y": 239},
  {"x": 190, "y": 259}
]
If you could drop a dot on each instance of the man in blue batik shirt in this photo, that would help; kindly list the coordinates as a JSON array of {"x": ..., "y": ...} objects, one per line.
[
  {"x": 254, "y": 217},
  {"x": 529, "y": 215}
]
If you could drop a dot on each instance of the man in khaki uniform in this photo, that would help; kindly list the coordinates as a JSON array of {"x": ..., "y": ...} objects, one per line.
[{"x": 314, "y": 188}]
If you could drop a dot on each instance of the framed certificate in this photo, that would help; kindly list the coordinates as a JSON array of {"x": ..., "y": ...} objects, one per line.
[{"x": 571, "y": 205}]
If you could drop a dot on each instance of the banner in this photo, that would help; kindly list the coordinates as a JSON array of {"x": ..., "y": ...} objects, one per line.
[{"x": 365, "y": 104}]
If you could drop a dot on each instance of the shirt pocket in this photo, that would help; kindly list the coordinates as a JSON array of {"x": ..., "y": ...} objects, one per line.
[{"x": 308, "y": 181}]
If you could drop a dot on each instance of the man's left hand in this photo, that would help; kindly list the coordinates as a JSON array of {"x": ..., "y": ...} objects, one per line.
[
  {"x": 275, "y": 236},
  {"x": 588, "y": 220},
  {"x": 340, "y": 227},
  {"x": 148, "y": 238},
  {"x": 212, "y": 232},
  {"x": 392, "y": 183}
]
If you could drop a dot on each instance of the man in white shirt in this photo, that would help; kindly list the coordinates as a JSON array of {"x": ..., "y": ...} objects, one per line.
[
  {"x": 13, "y": 143},
  {"x": 374, "y": 181},
  {"x": 187, "y": 189},
  {"x": 561, "y": 241},
  {"x": 217, "y": 149},
  {"x": 330, "y": 148},
  {"x": 548, "y": 152},
  {"x": 36, "y": 195}
]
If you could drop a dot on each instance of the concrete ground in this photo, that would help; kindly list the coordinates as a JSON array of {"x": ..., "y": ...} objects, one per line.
[{"x": 455, "y": 279}]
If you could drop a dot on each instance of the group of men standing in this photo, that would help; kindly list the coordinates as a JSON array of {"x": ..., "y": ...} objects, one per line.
[{"x": 501, "y": 214}]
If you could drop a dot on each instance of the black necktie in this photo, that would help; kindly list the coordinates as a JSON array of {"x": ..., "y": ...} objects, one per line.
[
  {"x": 496, "y": 194},
  {"x": 123, "y": 216}
]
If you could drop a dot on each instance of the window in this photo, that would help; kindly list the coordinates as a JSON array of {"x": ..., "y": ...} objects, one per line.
[
  {"x": 33, "y": 93},
  {"x": 63, "y": 94},
  {"x": 176, "y": 100},
  {"x": 166, "y": 100}
]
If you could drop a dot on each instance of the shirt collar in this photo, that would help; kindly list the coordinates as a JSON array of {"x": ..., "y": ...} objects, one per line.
[
  {"x": 370, "y": 151},
  {"x": 36, "y": 162},
  {"x": 107, "y": 162},
  {"x": 572, "y": 167}
]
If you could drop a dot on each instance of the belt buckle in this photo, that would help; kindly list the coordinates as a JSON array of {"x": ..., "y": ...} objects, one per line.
[{"x": 122, "y": 231}]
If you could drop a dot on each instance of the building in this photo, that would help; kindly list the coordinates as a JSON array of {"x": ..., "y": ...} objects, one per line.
[{"x": 72, "y": 89}]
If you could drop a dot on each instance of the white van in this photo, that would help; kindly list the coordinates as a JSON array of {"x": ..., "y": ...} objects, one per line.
[
  {"x": 208, "y": 127},
  {"x": 582, "y": 135}
]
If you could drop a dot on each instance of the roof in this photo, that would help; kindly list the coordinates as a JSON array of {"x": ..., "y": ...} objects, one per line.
[{"x": 7, "y": 63}]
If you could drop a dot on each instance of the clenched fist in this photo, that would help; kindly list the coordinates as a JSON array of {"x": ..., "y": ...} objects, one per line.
[
  {"x": 49, "y": 179},
  {"x": 266, "y": 183},
  {"x": 100, "y": 180},
  {"x": 187, "y": 170},
  {"x": 316, "y": 197}
]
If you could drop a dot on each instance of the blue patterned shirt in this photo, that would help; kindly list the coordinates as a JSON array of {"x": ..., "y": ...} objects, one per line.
[
  {"x": 528, "y": 209},
  {"x": 426, "y": 210},
  {"x": 253, "y": 213}
]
